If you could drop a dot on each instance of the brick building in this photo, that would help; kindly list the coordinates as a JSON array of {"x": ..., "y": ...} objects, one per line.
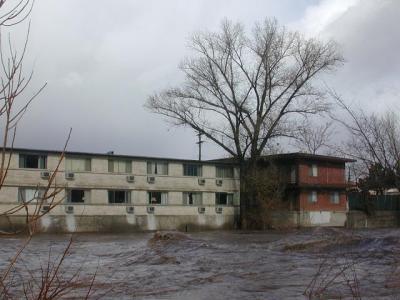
[{"x": 314, "y": 182}]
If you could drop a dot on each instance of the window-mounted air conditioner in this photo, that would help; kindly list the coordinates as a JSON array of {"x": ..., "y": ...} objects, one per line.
[
  {"x": 151, "y": 179},
  {"x": 45, "y": 174},
  {"x": 218, "y": 182},
  {"x": 202, "y": 181},
  {"x": 69, "y": 175},
  {"x": 202, "y": 210},
  {"x": 130, "y": 209},
  {"x": 130, "y": 178},
  {"x": 218, "y": 210},
  {"x": 69, "y": 209},
  {"x": 45, "y": 208},
  {"x": 150, "y": 209}
]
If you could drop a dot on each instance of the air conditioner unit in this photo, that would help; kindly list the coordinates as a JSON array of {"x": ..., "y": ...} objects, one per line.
[
  {"x": 45, "y": 208},
  {"x": 150, "y": 209},
  {"x": 45, "y": 174},
  {"x": 218, "y": 210},
  {"x": 202, "y": 210},
  {"x": 69, "y": 175},
  {"x": 130, "y": 178},
  {"x": 69, "y": 209},
  {"x": 218, "y": 182},
  {"x": 202, "y": 181},
  {"x": 130, "y": 209},
  {"x": 151, "y": 179}
]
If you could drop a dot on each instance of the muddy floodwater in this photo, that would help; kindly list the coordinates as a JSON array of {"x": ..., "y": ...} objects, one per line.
[{"x": 298, "y": 264}]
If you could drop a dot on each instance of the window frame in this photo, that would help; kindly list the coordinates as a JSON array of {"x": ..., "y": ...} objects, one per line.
[
  {"x": 40, "y": 193},
  {"x": 88, "y": 162},
  {"x": 313, "y": 170},
  {"x": 196, "y": 202},
  {"x": 313, "y": 197},
  {"x": 41, "y": 158},
  {"x": 149, "y": 197},
  {"x": 229, "y": 198},
  {"x": 187, "y": 166},
  {"x": 156, "y": 162},
  {"x": 111, "y": 165},
  {"x": 222, "y": 170},
  {"x": 128, "y": 197},
  {"x": 86, "y": 196},
  {"x": 335, "y": 197}
]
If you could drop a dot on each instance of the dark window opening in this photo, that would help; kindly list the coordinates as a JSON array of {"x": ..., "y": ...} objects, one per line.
[
  {"x": 223, "y": 199},
  {"x": 32, "y": 161},
  {"x": 76, "y": 196},
  {"x": 118, "y": 197}
]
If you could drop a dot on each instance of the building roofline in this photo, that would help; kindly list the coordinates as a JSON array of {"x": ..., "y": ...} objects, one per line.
[
  {"x": 297, "y": 156},
  {"x": 123, "y": 156},
  {"x": 309, "y": 156}
]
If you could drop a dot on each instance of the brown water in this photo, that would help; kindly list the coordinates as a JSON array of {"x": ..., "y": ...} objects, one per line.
[{"x": 221, "y": 265}]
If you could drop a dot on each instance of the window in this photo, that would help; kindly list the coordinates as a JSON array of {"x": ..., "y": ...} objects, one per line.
[
  {"x": 313, "y": 197},
  {"x": 192, "y": 170},
  {"x": 313, "y": 170},
  {"x": 223, "y": 199},
  {"x": 293, "y": 175},
  {"x": 77, "y": 196},
  {"x": 30, "y": 195},
  {"x": 158, "y": 198},
  {"x": 335, "y": 197},
  {"x": 192, "y": 198},
  {"x": 157, "y": 168},
  {"x": 32, "y": 161},
  {"x": 119, "y": 166},
  {"x": 119, "y": 197},
  {"x": 76, "y": 164},
  {"x": 224, "y": 172}
]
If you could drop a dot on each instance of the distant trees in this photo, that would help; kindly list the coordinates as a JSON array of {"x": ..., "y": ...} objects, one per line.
[
  {"x": 243, "y": 90},
  {"x": 374, "y": 141},
  {"x": 313, "y": 138}
]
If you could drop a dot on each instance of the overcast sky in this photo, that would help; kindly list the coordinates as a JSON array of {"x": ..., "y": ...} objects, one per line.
[{"x": 102, "y": 59}]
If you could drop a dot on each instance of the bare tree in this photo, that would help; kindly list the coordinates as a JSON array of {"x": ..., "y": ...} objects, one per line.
[
  {"x": 374, "y": 141},
  {"x": 313, "y": 138},
  {"x": 13, "y": 104},
  {"x": 243, "y": 90}
]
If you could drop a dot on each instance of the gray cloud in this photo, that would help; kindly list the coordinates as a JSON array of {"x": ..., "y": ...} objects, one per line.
[{"x": 101, "y": 60}]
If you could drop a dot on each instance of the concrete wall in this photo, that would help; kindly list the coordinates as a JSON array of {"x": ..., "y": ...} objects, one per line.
[
  {"x": 116, "y": 219},
  {"x": 96, "y": 214},
  {"x": 285, "y": 219},
  {"x": 379, "y": 219}
]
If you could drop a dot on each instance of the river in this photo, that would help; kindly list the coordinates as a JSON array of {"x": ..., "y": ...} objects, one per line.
[{"x": 294, "y": 264}]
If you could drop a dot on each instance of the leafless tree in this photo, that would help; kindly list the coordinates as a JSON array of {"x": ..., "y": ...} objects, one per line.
[
  {"x": 374, "y": 141},
  {"x": 313, "y": 138},
  {"x": 13, "y": 104},
  {"x": 243, "y": 90}
]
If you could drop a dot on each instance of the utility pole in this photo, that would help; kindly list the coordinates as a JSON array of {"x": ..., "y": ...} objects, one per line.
[{"x": 199, "y": 143}]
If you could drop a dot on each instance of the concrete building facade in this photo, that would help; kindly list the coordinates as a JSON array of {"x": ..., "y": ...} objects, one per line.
[{"x": 107, "y": 192}]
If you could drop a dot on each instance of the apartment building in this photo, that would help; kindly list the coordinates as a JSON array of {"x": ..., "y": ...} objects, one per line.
[
  {"x": 107, "y": 192},
  {"x": 315, "y": 188}
]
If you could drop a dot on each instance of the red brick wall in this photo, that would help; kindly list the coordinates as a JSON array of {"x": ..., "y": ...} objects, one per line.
[
  {"x": 323, "y": 202},
  {"x": 327, "y": 174}
]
